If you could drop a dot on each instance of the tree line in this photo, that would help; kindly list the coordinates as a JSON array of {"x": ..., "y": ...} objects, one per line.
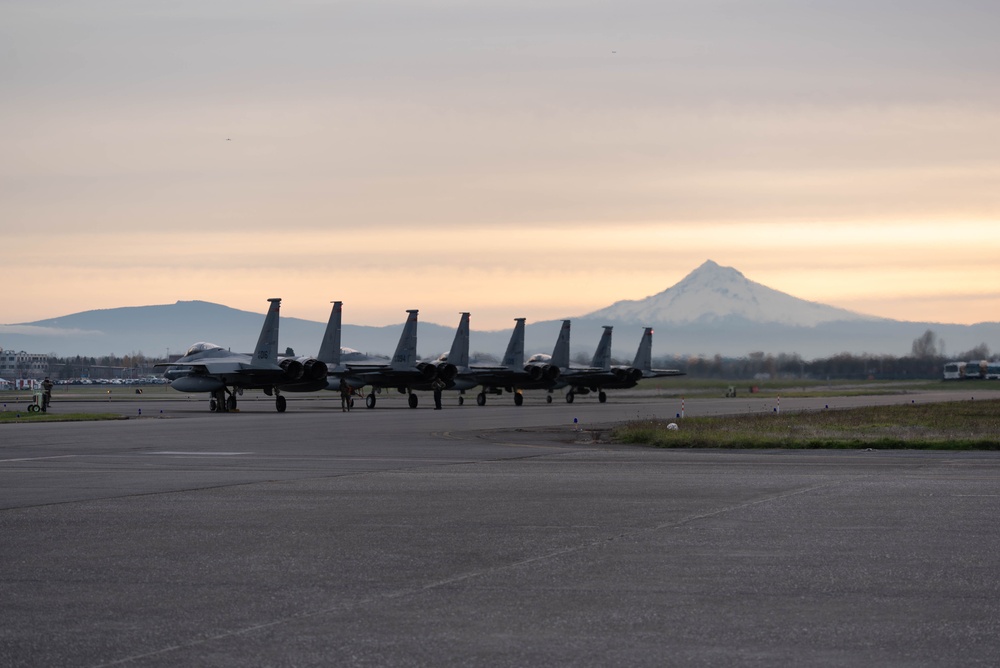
[{"x": 925, "y": 361}]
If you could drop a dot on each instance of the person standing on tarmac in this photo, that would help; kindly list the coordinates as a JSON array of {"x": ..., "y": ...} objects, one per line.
[
  {"x": 345, "y": 395},
  {"x": 46, "y": 392},
  {"x": 437, "y": 385}
]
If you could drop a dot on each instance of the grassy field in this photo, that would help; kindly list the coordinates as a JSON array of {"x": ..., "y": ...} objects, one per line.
[
  {"x": 696, "y": 387},
  {"x": 967, "y": 425}
]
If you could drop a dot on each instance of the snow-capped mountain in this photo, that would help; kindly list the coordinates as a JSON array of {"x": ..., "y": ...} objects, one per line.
[{"x": 712, "y": 292}]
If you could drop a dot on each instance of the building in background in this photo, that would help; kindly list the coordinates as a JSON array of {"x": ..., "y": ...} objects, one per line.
[{"x": 22, "y": 365}]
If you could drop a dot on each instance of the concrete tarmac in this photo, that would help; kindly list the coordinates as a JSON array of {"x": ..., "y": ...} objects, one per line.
[{"x": 483, "y": 536}]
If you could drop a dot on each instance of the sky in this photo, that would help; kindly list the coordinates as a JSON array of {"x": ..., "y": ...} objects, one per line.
[{"x": 538, "y": 159}]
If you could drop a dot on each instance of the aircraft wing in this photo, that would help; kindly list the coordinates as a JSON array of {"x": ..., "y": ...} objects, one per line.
[
  {"x": 574, "y": 374},
  {"x": 234, "y": 371},
  {"x": 529, "y": 378},
  {"x": 662, "y": 373},
  {"x": 210, "y": 367},
  {"x": 384, "y": 375}
]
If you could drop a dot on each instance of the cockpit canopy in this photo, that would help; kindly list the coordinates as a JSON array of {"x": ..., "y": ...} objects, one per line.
[
  {"x": 201, "y": 347},
  {"x": 539, "y": 357}
]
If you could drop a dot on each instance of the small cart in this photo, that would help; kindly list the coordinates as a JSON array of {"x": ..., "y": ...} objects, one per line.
[{"x": 39, "y": 402}]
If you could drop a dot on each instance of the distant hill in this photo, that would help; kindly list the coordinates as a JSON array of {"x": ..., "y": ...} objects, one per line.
[
  {"x": 713, "y": 310},
  {"x": 157, "y": 330}
]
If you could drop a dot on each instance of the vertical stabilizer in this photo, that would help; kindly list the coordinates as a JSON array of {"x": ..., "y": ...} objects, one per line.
[
  {"x": 644, "y": 355},
  {"x": 406, "y": 350},
  {"x": 329, "y": 348},
  {"x": 459, "y": 354},
  {"x": 266, "y": 352},
  {"x": 560, "y": 354},
  {"x": 514, "y": 357},
  {"x": 602, "y": 356}
]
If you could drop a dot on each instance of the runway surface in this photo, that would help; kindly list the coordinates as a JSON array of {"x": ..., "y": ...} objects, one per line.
[{"x": 488, "y": 535}]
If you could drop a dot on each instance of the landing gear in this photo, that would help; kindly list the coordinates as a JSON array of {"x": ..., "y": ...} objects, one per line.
[
  {"x": 412, "y": 400},
  {"x": 481, "y": 399},
  {"x": 280, "y": 403},
  {"x": 370, "y": 400},
  {"x": 602, "y": 396},
  {"x": 548, "y": 398},
  {"x": 569, "y": 397},
  {"x": 461, "y": 400},
  {"x": 231, "y": 402},
  {"x": 518, "y": 398}
]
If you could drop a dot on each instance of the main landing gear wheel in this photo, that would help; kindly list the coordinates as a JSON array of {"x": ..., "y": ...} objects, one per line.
[
  {"x": 481, "y": 399},
  {"x": 518, "y": 398},
  {"x": 280, "y": 403},
  {"x": 569, "y": 397},
  {"x": 602, "y": 396},
  {"x": 370, "y": 401},
  {"x": 548, "y": 398},
  {"x": 231, "y": 402},
  {"x": 412, "y": 400},
  {"x": 461, "y": 401}
]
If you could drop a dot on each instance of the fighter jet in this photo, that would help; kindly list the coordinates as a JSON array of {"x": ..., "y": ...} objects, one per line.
[
  {"x": 206, "y": 367},
  {"x": 514, "y": 374},
  {"x": 602, "y": 375},
  {"x": 453, "y": 366},
  {"x": 404, "y": 371}
]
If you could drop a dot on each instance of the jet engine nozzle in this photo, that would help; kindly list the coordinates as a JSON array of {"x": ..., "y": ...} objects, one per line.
[
  {"x": 534, "y": 372},
  {"x": 629, "y": 374},
  {"x": 447, "y": 372},
  {"x": 552, "y": 372},
  {"x": 293, "y": 368},
  {"x": 312, "y": 369},
  {"x": 428, "y": 372}
]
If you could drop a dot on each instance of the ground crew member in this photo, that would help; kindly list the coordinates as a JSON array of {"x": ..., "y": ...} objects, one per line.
[
  {"x": 345, "y": 395},
  {"x": 46, "y": 392},
  {"x": 437, "y": 385}
]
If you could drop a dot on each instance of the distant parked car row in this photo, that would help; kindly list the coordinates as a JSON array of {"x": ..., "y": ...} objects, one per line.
[{"x": 147, "y": 380}]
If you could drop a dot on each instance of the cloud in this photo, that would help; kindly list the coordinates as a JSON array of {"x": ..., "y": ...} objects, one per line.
[{"x": 54, "y": 332}]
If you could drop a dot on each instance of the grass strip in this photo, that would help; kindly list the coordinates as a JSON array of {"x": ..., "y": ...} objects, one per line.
[{"x": 959, "y": 425}]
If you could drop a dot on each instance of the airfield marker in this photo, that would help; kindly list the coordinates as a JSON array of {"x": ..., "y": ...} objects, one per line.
[{"x": 682, "y": 407}]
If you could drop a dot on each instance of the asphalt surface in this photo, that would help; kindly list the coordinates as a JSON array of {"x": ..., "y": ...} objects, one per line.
[{"x": 482, "y": 536}]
